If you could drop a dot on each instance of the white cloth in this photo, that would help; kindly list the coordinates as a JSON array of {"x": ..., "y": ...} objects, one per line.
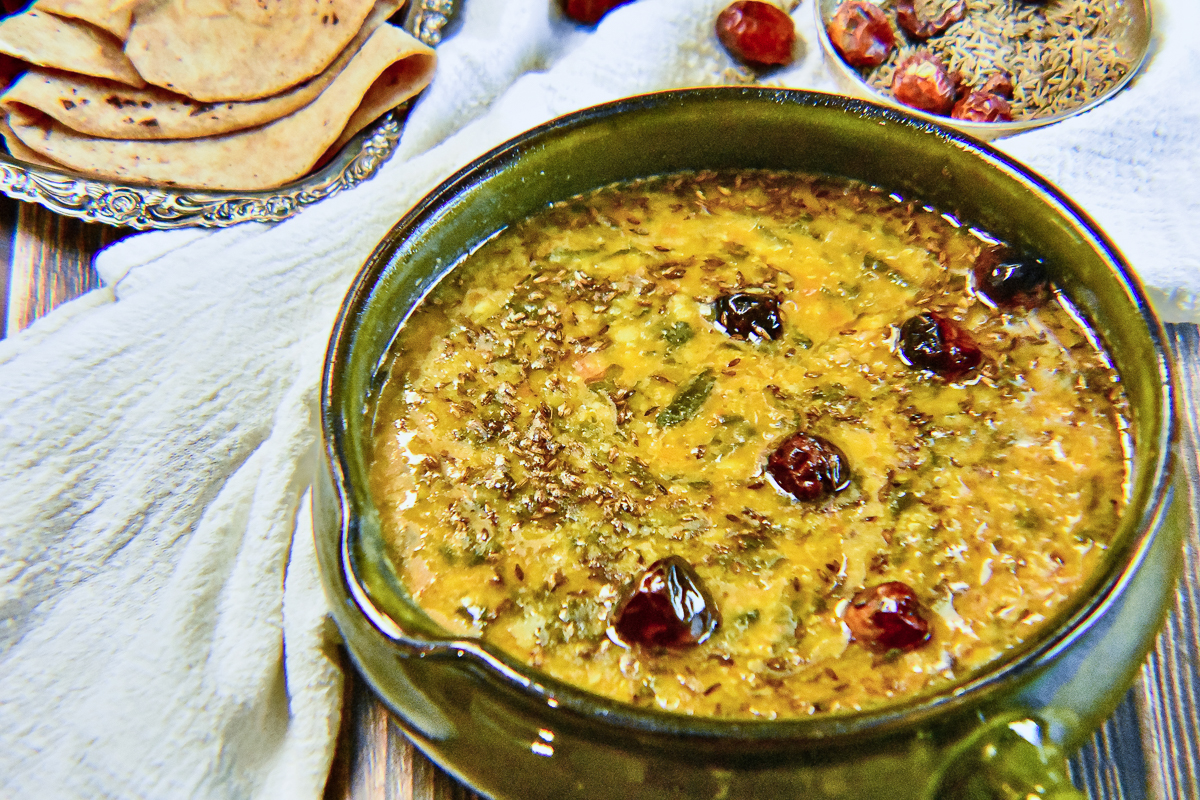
[
  {"x": 162, "y": 627},
  {"x": 1133, "y": 163}
]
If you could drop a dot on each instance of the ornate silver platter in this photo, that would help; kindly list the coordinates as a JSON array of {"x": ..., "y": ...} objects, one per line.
[{"x": 145, "y": 207}]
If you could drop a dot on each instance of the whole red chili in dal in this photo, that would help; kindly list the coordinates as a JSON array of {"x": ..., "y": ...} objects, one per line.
[
  {"x": 669, "y": 607},
  {"x": 932, "y": 342},
  {"x": 808, "y": 467},
  {"x": 887, "y": 617}
]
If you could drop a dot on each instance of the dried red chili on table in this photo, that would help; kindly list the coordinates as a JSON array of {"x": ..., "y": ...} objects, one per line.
[
  {"x": 887, "y": 617},
  {"x": 932, "y": 342},
  {"x": 918, "y": 28},
  {"x": 669, "y": 607},
  {"x": 921, "y": 81},
  {"x": 757, "y": 33},
  {"x": 589, "y": 12},
  {"x": 861, "y": 33},
  {"x": 808, "y": 467}
]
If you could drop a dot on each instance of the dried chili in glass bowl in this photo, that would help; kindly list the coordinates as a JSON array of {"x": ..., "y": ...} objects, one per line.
[{"x": 935, "y": 28}]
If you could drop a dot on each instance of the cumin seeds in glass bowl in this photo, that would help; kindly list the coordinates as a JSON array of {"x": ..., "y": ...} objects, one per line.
[{"x": 1063, "y": 56}]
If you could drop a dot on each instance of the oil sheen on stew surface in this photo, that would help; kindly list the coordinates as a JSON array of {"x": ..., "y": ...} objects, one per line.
[{"x": 748, "y": 445}]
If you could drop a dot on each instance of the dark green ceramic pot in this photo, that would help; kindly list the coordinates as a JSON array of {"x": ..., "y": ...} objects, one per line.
[{"x": 512, "y": 732}]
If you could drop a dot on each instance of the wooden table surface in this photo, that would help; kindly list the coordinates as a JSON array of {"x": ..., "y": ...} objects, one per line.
[{"x": 1147, "y": 749}]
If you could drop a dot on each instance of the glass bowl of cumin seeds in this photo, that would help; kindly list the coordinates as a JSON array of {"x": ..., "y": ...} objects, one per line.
[{"x": 1062, "y": 57}]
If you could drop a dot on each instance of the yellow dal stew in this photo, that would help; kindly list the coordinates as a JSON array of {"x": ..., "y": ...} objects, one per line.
[{"x": 748, "y": 445}]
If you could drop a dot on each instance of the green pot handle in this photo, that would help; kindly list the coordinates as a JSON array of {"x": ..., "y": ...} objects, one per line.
[{"x": 1008, "y": 758}]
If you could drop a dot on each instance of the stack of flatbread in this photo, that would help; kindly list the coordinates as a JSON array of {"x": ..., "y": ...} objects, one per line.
[{"x": 210, "y": 94}]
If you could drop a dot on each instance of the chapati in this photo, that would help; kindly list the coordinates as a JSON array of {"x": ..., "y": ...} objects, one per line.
[
  {"x": 113, "y": 16},
  {"x": 259, "y": 158},
  {"x": 18, "y": 150},
  {"x": 47, "y": 40},
  {"x": 217, "y": 50},
  {"x": 106, "y": 109}
]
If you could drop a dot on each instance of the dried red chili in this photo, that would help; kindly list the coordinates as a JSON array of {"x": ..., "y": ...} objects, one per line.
[
  {"x": 1010, "y": 280},
  {"x": 918, "y": 28},
  {"x": 748, "y": 316},
  {"x": 999, "y": 84},
  {"x": 669, "y": 607},
  {"x": 930, "y": 341},
  {"x": 982, "y": 107},
  {"x": 589, "y": 12},
  {"x": 921, "y": 81},
  {"x": 861, "y": 33},
  {"x": 887, "y": 617},
  {"x": 757, "y": 33},
  {"x": 808, "y": 467}
]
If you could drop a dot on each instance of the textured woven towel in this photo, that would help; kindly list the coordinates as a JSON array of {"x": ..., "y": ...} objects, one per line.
[{"x": 162, "y": 628}]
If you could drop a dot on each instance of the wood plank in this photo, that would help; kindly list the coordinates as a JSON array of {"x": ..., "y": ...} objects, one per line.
[
  {"x": 1169, "y": 685},
  {"x": 8, "y": 230},
  {"x": 51, "y": 262},
  {"x": 375, "y": 760}
]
